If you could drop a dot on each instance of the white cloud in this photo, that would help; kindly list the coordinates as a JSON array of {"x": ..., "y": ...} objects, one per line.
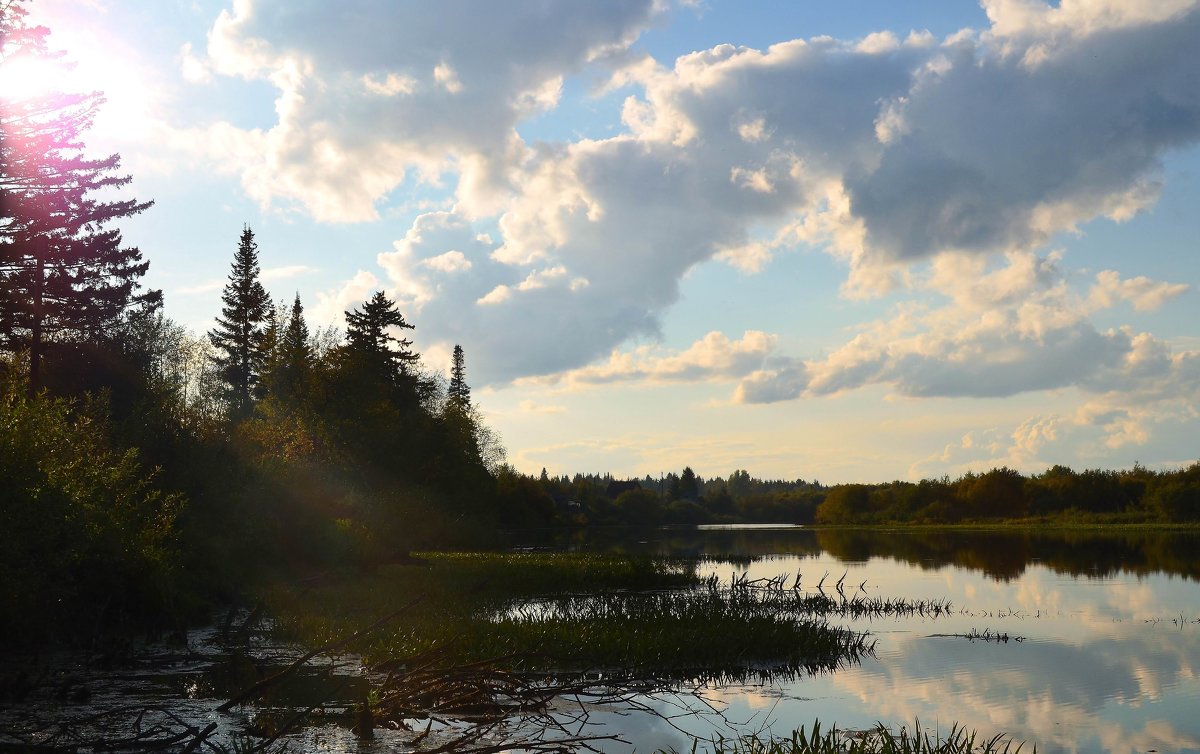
[
  {"x": 193, "y": 69},
  {"x": 391, "y": 85},
  {"x": 286, "y": 271},
  {"x": 783, "y": 383},
  {"x": 365, "y": 96},
  {"x": 713, "y": 357},
  {"x": 1142, "y": 293},
  {"x": 451, "y": 261},
  {"x": 332, "y": 305},
  {"x": 447, "y": 77},
  {"x": 1016, "y": 328},
  {"x": 885, "y": 151}
]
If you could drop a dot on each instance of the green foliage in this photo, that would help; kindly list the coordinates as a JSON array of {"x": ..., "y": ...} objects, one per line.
[
  {"x": 85, "y": 530},
  {"x": 520, "y": 501},
  {"x": 458, "y": 395},
  {"x": 846, "y": 503},
  {"x": 289, "y": 362},
  {"x": 573, "y": 611},
  {"x": 240, "y": 333},
  {"x": 385, "y": 355},
  {"x": 686, "y": 512},
  {"x": 640, "y": 507},
  {"x": 1094, "y": 496},
  {"x": 1177, "y": 498}
]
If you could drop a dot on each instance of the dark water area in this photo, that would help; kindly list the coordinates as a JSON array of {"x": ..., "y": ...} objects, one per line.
[{"x": 1073, "y": 641}]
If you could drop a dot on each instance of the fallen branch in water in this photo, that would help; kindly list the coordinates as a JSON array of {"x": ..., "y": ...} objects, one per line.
[{"x": 333, "y": 646}]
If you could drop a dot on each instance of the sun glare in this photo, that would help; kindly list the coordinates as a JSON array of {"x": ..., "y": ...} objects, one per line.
[
  {"x": 25, "y": 78},
  {"x": 126, "y": 95}
]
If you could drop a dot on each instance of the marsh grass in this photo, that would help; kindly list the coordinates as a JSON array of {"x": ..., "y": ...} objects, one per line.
[
  {"x": 565, "y": 612},
  {"x": 459, "y": 591},
  {"x": 879, "y": 740}
]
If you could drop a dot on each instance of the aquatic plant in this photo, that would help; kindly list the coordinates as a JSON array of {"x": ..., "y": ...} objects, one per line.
[{"x": 879, "y": 740}]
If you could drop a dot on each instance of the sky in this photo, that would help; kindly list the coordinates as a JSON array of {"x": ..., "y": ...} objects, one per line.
[{"x": 841, "y": 240}]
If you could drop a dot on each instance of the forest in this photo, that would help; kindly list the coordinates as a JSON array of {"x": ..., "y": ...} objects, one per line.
[{"x": 148, "y": 471}]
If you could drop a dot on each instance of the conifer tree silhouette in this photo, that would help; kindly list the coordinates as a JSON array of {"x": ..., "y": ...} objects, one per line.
[
  {"x": 240, "y": 334},
  {"x": 64, "y": 274}
]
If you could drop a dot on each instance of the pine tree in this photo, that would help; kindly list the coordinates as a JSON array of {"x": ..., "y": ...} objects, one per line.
[
  {"x": 367, "y": 332},
  {"x": 240, "y": 332},
  {"x": 293, "y": 357},
  {"x": 64, "y": 275},
  {"x": 458, "y": 395}
]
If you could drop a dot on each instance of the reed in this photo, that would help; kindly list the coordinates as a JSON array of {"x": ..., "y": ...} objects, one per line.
[
  {"x": 879, "y": 740},
  {"x": 579, "y": 613}
]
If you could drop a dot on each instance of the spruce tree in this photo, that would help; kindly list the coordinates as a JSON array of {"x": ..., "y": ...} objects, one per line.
[
  {"x": 458, "y": 395},
  {"x": 240, "y": 333},
  {"x": 64, "y": 273},
  {"x": 293, "y": 357},
  {"x": 367, "y": 332}
]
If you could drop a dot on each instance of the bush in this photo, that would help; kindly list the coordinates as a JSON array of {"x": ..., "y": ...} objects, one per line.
[
  {"x": 640, "y": 507},
  {"x": 83, "y": 529}
]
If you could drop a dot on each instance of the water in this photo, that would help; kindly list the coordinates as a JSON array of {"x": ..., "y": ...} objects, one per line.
[{"x": 1102, "y": 650}]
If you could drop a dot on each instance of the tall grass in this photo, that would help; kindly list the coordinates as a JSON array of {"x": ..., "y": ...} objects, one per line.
[
  {"x": 879, "y": 740},
  {"x": 565, "y": 612}
]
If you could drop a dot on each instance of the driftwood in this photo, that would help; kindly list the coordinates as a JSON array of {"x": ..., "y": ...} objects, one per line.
[
  {"x": 481, "y": 707},
  {"x": 257, "y": 689}
]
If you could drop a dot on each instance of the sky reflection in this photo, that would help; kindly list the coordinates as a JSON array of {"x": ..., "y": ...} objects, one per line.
[{"x": 1108, "y": 658}]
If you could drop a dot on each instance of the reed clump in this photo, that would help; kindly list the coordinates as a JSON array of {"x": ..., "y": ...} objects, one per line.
[{"x": 565, "y": 612}]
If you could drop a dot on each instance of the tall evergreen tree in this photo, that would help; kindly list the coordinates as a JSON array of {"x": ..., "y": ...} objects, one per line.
[
  {"x": 293, "y": 357},
  {"x": 240, "y": 334},
  {"x": 367, "y": 332},
  {"x": 458, "y": 395},
  {"x": 64, "y": 274}
]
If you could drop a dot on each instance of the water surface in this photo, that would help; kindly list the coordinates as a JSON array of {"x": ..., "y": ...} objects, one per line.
[{"x": 1103, "y": 634}]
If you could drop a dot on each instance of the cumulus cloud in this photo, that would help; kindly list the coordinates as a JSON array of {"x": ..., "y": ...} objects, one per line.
[
  {"x": 192, "y": 67},
  {"x": 885, "y": 151},
  {"x": 1142, "y": 293},
  {"x": 713, "y": 357},
  {"x": 368, "y": 91},
  {"x": 1016, "y": 328}
]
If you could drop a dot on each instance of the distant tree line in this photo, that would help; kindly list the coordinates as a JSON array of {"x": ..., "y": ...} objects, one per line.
[
  {"x": 1136, "y": 495},
  {"x": 672, "y": 499}
]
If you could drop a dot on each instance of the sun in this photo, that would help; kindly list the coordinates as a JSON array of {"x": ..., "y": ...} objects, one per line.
[
  {"x": 127, "y": 97},
  {"x": 24, "y": 77}
]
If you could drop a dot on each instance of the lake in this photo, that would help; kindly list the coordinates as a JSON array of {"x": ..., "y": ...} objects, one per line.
[
  {"x": 1103, "y": 634},
  {"x": 1076, "y": 641}
]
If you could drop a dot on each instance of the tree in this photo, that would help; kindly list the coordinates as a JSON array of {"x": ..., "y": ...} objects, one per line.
[
  {"x": 845, "y": 504},
  {"x": 64, "y": 274},
  {"x": 458, "y": 394},
  {"x": 367, "y": 331},
  {"x": 240, "y": 334},
  {"x": 292, "y": 357},
  {"x": 689, "y": 486}
]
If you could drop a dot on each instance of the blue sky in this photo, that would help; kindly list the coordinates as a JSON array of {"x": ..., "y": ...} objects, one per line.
[{"x": 834, "y": 240}]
